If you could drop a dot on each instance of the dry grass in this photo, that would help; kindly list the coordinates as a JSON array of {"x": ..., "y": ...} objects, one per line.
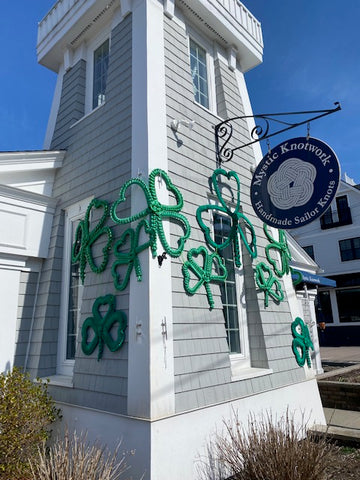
[
  {"x": 266, "y": 449},
  {"x": 344, "y": 464},
  {"x": 73, "y": 458}
]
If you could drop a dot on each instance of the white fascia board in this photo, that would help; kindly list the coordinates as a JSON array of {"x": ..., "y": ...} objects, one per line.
[
  {"x": 64, "y": 25},
  {"x": 216, "y": 17},
  {"x": 23, "y": 198},
  {"x": 299, "y": 257},
  {"x": 31, "y": 160}
]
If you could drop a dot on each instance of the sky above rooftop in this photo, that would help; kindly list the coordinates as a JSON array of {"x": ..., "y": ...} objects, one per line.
[{"x": 311, "y": 60}]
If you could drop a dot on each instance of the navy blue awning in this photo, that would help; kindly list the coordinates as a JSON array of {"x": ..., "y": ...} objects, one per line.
[{"x": 312, "y": 278}]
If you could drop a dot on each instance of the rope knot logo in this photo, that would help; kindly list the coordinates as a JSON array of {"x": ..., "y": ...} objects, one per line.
[{"x": 292, "y": 185}]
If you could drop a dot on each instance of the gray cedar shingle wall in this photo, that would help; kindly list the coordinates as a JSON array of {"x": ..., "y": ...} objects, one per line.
[
  {"x": 97, "y": 164},
  {"x": 27, "y": 295},
  {"x": 202, "y": 366}
]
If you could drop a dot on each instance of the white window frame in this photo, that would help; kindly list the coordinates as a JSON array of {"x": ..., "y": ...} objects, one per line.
[
  {"x": 90, "y": 50},
  {"x": 209, "y": 49},
  {"x": 238, "y": 361},
  {"x": 74, "y": 212}
]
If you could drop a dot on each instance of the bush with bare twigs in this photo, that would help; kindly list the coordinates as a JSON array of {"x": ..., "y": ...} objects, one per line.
[
  {"x": 268, "y": 449},
  {"x": 74, "y": 458}
]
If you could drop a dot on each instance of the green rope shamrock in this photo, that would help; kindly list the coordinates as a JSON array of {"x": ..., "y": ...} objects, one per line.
[
  {"x": 85, "y": 238},
  {"x": 101, "y": 327},
  {"x": 297, "y": 276},
  {"x": 204, "y": 272},
  {"x": 265, "y": 280},
  {"x": 157, "y": 211},
  {"x": 282, "y": 247},
  {"x": 131, "y": 257},
  {"x": 238, "y": 219},
  {"x": 301, "y": 343}
]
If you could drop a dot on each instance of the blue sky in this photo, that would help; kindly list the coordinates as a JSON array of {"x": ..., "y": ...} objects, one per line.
[
  {"x": 26, "y": 87},
  {"x": 311, "y": 60}
]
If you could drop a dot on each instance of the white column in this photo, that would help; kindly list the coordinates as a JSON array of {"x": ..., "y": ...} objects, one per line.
[{"x": 150, "y": 354}]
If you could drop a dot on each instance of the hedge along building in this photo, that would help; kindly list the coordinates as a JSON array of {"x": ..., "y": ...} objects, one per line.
[{"x": 158, "y": 350}]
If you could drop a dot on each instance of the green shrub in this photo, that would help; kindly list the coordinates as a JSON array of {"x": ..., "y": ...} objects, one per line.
[
  {"x": 26, "y": 411},
  {"x": 73, "y": 458}
]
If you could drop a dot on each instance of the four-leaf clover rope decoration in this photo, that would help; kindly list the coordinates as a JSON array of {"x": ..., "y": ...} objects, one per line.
[
  {"x": 281, "y": 246},
  {"x": 99, "y": 327},
  {"x": 238, "y": 220},
  {"x": 266, "y": 281},
  {"x": 302, "y": 342},
  {"x": 203, "y": 272},
  {"x": 156, "y": 211},
  {"x": 131, "y": 257},
  {"x": 85, "y": 238}
]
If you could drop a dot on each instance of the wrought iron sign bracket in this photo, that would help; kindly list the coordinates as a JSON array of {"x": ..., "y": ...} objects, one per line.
[{"x": 261, "y": 131}]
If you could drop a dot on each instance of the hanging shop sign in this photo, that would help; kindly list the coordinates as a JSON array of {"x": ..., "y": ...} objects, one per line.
[{"x": 295, "y": 183}]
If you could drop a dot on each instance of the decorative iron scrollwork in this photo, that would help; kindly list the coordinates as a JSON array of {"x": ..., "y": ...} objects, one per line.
[{"x": 261, "y": 131}]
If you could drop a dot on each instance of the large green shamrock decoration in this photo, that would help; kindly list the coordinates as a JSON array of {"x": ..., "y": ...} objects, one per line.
[
  {"x": 281, "y": 246},
  {"x": 203, "y": 272},
  {"x": 100, "y": 327},
  {"x": 131, "y": 257},
  {"x": 85, "y": 238},
  {"x": 266, "y": 281},
  {"x": 156, "y": 210},
  {"x": 302, "y": 342},
  {"x": 237, "y": 219}
]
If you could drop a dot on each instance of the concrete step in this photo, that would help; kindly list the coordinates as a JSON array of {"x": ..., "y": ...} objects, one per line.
[{"x": 342, "y": 425}]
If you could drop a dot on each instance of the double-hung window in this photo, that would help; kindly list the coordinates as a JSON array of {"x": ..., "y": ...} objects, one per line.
[
  {"x": 234, "y": 314},
  {"x": 349, "y": 249},
  {"x": 100, "y": 69},
  {"x": 72, "y": 290},
  {"x": 199, "y": 73}
]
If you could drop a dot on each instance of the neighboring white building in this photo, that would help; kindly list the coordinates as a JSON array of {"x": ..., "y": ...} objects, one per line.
[
  {"x": 120, "y": 259},
  {"x": 333, "y": 242}
]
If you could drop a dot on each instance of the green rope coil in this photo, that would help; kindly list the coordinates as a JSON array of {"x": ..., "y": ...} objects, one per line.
[
  {"x": 203, "y": 272},
  {"x": 156, "y": 211},
  {"x": 301, "y": 343},
  {"x": 281, "y": 246},
  {"x": 85, "y": 238},
  {"x": 130, "y": 258},
  {"x": 238, "y": 220},
  {"x": 99, "y": 327},
  {"x": 266, "y": 281},
  {"x": 298, "y": 276}
]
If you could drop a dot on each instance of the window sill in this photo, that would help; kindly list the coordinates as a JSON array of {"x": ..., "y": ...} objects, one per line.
[
  {"x": 247, "y": 373},
  {"x": 60, "y": 381},
  {"x": 87, "y": 115}
]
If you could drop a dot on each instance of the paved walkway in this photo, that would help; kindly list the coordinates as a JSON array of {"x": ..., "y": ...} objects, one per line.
[{"x": 340, "y": 354}]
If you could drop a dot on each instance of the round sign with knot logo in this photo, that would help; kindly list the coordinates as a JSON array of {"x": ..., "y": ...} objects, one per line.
[{"x": 295, "y": 183}]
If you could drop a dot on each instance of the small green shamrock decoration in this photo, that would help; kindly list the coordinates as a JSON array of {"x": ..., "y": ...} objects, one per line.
[
  {"x": 281, "y": 246},
  {"x": 203, "y": 272},
  {"x": 85, "y": 238},
  {"x": 297, "y": 276},
  {"x": 100, "y": 326},
  {"x": 131, "y": 257},
  {"x": 302, "y": 342},
  {"x": 266, "y": 281},
  {"x": 238, "y": 220},
  {"x": 156, "y": 211}
]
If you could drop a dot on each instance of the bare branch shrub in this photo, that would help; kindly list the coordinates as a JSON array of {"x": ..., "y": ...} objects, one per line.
[
  {"x": 266, "y": 449},
  {"x": 73, "y": 458}
]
